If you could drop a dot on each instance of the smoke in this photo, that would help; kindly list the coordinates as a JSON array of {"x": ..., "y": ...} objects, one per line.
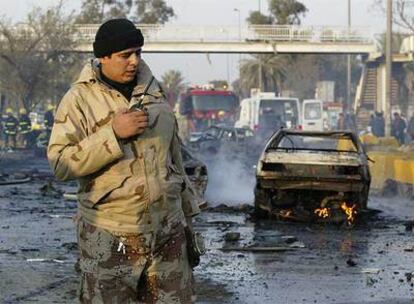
[{"x": 230, "y": 181}]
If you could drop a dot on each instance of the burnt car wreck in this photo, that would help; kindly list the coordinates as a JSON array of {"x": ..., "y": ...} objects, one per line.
[
  {"x": 196, "y": 171},
  {"x": 312, "y": 176}
]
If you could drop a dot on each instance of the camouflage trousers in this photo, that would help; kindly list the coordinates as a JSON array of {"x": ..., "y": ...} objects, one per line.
[{"x": 133, "y": 268}]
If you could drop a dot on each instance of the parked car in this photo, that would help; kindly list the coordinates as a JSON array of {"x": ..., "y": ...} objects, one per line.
[{"x": 305, "y": 175}]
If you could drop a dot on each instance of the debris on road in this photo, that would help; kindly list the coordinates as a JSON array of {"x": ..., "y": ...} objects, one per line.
[
  {"x": 351, "y": 263},
  {"x": 232, "y": 236},
  {"x": 45, "y": 260},
  {"x": 371, "y": 270},
  {"x": 13, "y": 179},
  {"x": 49, "y": 190},
  {"x": 258, "y": 249}
]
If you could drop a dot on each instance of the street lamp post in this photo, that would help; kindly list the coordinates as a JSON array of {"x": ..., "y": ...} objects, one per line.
[
  {"x": 239, "y": 24},
  {"x": 348, "y": 80},
  {"x": 240, "y": 38},
  {"x": 388, "y": 70}
]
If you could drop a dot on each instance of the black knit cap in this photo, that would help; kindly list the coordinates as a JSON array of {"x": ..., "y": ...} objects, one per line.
[{"x": 116, "y": 35}]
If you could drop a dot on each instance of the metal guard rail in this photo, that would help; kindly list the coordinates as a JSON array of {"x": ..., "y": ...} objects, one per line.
[{"x": 191, "y": 33}]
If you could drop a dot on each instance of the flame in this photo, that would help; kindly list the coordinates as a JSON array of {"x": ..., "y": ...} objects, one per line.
[
  {"x": 322, "y": 212},
  {"x": 350, "y": 212}
]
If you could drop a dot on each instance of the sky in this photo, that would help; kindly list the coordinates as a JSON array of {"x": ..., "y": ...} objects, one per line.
[{"x": 198, "y": 68}]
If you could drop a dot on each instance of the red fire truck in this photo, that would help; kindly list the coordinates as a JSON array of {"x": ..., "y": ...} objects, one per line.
[{"x": 205, "y": 107}]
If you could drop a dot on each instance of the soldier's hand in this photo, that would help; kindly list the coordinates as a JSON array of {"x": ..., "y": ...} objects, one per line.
[{"x": 127, "y": 124}]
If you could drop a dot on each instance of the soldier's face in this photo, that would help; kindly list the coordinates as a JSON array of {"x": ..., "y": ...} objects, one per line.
[{"x": 122, "y": 66}]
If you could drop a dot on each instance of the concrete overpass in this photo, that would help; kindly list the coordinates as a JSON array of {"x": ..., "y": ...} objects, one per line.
[{"x": 283, "y": 39}]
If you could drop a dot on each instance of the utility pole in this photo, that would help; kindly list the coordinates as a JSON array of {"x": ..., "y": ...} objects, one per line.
[
  {"x": 260, "y": 6},
  {"x": 239, "y": 23},
  {"x": 348, "y": 73},
  {"x": 260, "y": 75},
  {"x": 240, "y": 38},
  {"x": 388, "y": 70}
]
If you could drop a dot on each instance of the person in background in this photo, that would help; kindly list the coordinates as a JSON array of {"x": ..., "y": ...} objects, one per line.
[
  {"x": 341, "y": 125},
  {"x": 350, "y": 122},
  {"x": 10, "y": 130},
  {"x": 25, "y": 128},
  {"x": 398, "y": 128},
  {"x": 49, "y": 118},
  {"x": 379, "y": 124},
  {"x": 410, "y": 128},
  {"x": 221, "y": 118},
  {"x": 135, "y": 202}
]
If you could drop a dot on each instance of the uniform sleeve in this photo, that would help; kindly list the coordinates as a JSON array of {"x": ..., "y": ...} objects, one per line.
[
  {"x": 74, "y": 151},
  {"x": 189, "y": 197}
]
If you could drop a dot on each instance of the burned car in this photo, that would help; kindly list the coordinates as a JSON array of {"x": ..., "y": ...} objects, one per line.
[
  {"x": 196, "y": 170},
  {"x": 216, "y": 138},
  {"x": 223, "y": 143},
  {"x": 304, "y": 175}
]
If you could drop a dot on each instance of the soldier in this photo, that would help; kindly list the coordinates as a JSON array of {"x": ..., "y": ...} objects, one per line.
[
  {"x": 10, "y": 130},
  {"x": 25, "y": 127},
  {"x": 135, "y": 201}
]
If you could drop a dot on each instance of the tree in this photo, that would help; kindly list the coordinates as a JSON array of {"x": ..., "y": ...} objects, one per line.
[
  {"x": 139, "y": 11},
  {"x": 257, "y": 17},
  {"x": 34, "y": 58},
  {"x": 173, "y": 84},
  {"x": 403, "y": 13},
  {"x": 287, "y": 11},
  {"x": 153, "y": 11},
  {"x": 268, "y": 69},
  {"x": 96, "y": 11}
]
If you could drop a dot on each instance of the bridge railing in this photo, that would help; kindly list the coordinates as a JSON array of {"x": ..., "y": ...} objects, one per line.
[
  {"x": 190, "y": 33},
  {"x": 312, "y": 33}
]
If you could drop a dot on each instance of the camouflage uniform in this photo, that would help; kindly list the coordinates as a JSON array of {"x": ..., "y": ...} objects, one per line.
[{"x": 133, "y": 195}]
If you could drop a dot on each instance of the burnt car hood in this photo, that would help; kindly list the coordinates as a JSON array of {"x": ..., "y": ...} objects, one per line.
[{"x": 314, "y": 158}]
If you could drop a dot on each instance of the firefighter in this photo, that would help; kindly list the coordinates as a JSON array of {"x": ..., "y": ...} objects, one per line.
[
  {"x": 10, "y": 129},
  {"x": 49, "y": 119},
  {"x": 25, "y": 127}
]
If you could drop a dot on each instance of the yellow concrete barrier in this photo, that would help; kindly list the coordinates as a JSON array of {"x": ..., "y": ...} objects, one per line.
[
  {"x": 391, "y": 162},
  {"x": 396, "y": 165},
  {"x": 381, "y": 169}
]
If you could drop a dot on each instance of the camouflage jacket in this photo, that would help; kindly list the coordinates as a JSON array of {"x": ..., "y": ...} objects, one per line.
[{"x": 124, "y": 185}]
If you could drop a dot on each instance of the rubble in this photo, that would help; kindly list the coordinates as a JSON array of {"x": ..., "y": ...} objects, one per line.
[
  {"x": 350, "y": 262},
  {"x": 232, "y": 236}
]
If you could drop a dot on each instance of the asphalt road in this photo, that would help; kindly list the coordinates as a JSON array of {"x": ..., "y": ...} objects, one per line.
[{"x": 371, "y": 263}]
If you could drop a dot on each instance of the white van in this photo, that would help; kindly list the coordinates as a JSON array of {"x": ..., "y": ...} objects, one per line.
[
  {"x": 312, "y": 111},
  {"x": 265, "y": 110}
]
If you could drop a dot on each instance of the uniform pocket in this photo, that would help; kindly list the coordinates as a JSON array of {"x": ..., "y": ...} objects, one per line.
[{"x": 100, "y": 188}]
